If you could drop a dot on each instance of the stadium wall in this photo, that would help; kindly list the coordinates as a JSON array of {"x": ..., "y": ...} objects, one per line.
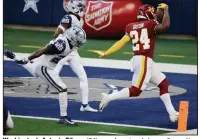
[{"x": 183, "y": 15}]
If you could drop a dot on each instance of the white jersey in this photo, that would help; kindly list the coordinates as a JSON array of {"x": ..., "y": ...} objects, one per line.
[
  {"x": 60, "y": 49},
  {"x": 74, "y": 21}
]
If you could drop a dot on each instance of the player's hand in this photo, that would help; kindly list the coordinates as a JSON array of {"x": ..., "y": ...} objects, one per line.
[
  {"x": 100, "y": 53},
  {"x": 162, "y": 6},
  {"x": 22, "y": 61}
]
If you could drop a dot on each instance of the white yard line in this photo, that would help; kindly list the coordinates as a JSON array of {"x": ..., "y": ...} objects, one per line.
[
  {"x": 123, "y": 64},
  {"x": 188, "y": 132},
  {"x": 110, "y": 133},
  {"x": 99, "y": 123}
]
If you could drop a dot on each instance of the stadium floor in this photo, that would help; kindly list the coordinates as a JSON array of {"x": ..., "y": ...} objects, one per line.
[
  {"x": 141, "y": 112},
  {"x": 79, "y": 129},
  {"x": 148, "y": 112}
]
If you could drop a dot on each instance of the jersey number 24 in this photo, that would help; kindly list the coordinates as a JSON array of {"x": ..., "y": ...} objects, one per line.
[{"x": 143, "y": 39}]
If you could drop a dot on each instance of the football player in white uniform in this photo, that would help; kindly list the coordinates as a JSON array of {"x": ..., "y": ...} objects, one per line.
[
  {"x": 42, "y": 63},
  {"x": 76, "y": 10}
]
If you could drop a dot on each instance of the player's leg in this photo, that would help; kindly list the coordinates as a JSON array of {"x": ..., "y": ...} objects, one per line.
[
  {"x": 31, "y": 66},
  {"x": 78, "y": 69},
  {"x": 53, "y": 79},
  {"x": 141, "y": 76},
  {"x": 160, "y": 80}
]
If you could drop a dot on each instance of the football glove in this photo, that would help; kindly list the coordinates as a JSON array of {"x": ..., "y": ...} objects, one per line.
[
  {"x": 22, "y": 60},
  {"x": 162, "y": 6}
]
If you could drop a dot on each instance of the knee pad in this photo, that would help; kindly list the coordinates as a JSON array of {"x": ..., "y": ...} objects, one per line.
[
  {"x": 134, "y": 91},
  {"x": 163, "y": 87},
  {"x": 63, "y": 90}
]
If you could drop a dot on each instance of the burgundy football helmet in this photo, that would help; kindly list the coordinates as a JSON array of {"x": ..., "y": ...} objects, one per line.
[{"x": 146, "y": 12}]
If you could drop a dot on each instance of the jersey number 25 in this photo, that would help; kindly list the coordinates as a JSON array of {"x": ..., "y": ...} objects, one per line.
[{"x": 143, "y": 39}]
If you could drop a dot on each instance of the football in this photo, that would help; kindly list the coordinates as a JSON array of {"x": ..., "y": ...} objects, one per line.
[{"x": 159, "y": 15}]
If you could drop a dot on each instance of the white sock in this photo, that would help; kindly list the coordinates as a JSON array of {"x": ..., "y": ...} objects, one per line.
[
  {"x": 124, "y": 93},
  {"x": 63, "y": 103},
  {"x": 168, "y": 104},
  {"x": 84, "y": 91}
]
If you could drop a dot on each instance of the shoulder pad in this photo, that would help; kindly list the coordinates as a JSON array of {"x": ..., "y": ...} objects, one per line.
[{"x": 66, "y": 20}]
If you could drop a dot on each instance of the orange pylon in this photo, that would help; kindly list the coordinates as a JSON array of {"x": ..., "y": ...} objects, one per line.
[{"x": 183, "y": 116}]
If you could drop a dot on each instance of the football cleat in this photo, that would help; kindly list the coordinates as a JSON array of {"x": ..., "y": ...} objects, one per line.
[
  {"x": 104, "y": 102},
  {"x": 174, "y": 117},
  {"x": 66, "y": 120},
  {"x": 9, "y": 54},
  {"x": 87, "y": 109}
]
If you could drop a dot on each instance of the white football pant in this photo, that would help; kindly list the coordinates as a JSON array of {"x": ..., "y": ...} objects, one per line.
[{"x": 145, "y": 71}]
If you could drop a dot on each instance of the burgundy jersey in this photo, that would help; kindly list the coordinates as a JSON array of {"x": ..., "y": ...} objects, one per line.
[{"x": 143, "y": 37}]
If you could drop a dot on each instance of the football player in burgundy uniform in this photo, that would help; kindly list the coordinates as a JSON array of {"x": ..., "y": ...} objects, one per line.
[{"x": 143, "y": 36}]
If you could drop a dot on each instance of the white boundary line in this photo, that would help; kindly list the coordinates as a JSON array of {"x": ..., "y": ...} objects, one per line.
[
  {"x": 188, "y": 132},
  {"x": 125, "y": 64},
  {"x": 110, "y": 133},
  {"x": 99, "y": 123}
]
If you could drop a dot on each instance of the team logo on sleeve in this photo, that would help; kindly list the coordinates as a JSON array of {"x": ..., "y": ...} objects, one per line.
[{"x": 99, "y": 14}]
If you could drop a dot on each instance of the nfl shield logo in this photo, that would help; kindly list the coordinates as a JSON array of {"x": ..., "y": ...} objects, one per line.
[
  {"x": 99, "y": 14},
  {"x": 65, "y": 2}
]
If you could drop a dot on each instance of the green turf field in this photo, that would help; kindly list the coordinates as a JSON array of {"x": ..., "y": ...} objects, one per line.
[
  {"x": 26, "y": 41},
  {"x": 51, "y": 127},
  {"x": 167, "y": 50}
]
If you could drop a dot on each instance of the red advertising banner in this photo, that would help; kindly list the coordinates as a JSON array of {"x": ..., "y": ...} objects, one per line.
[{"x": 108, "y": 18}]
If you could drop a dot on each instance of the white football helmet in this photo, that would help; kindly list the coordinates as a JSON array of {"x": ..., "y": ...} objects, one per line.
[
  {"x": 76, "y": 7},
  {"x": 76, "y": 36}
]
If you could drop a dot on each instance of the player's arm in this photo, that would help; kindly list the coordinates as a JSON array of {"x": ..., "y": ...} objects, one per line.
[
  {"x": 36, "y": 54},
  {"x": 60, "y": 30},
  {"x": 56, "y": 47},
  {"x": 166, "y": 19},
  {"x": 64, "y": 24},
  {"x": 117, "y": 46},
  {"x": 49, "y": 49},
  {"x": 45, "y": 50}
]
